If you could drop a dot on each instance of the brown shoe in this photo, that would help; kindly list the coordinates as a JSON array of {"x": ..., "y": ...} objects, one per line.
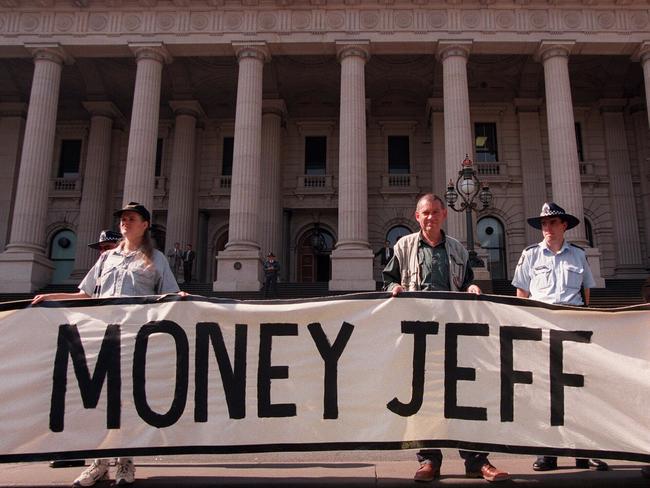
[
  {"x": 489, "y": 473},
  {"x": 427, "y": 472}
]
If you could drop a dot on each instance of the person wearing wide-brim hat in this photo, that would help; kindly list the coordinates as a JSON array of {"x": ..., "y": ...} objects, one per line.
[
  {"x": 108, "y": 239},
  {"x": 271, "y": 269},
  {"x": 555, "y": 271}
]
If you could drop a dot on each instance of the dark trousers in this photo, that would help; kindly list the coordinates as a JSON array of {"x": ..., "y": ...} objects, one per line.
[
  {"x": 271, "y": 286},
  {"x": 187, "y": 272},
  {"x": 474, "y": 461}
]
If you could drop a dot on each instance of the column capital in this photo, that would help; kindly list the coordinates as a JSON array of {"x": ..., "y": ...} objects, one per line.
[
  {"x": 13, "y": 109},
  {"x": 249, "y": 49},
  {"x": 103, "y": 109},
  {"x": 610, "y": 105},
  {"x": 151, "y": 50},
  {"x": 50, "y": 51},
  {"x": 353, "y": 48},
  {"x": 642, "y": 52},
  {"x": 528, "y": 105},
  {"x": 551, "y": 49},
  {"x": 453, "y": 48},
  {"x": 435, "y": 105},
  {"x": 274, "y": 106},
  {"x": 187, "y": 107}
]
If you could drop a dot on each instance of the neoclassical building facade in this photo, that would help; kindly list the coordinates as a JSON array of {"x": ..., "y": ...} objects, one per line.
[{"x": 309, "y": 127}]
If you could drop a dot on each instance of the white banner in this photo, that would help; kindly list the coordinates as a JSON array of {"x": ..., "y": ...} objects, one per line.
[{"x": 138, "y": 376}]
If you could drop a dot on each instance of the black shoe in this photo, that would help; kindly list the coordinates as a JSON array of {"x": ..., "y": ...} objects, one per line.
[
  {"x": 596, "y": 464},
  {"x": 545, "y": 464},
  {"x": 67, "y": 463}
]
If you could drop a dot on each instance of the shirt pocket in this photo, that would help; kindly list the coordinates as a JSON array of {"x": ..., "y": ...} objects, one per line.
[
  {"x": 574, "y": 275},
  {"x": 144, "y": 280},
  {"x": 541, "y": 277}
]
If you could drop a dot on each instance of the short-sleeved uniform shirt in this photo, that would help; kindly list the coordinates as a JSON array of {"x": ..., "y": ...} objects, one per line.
[
  {"x": 554, "y": 278},
  {"x": 123, "y": 273}
]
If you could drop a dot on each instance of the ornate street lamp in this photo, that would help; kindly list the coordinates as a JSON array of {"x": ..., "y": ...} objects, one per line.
[{"x": 468, "y": 187}]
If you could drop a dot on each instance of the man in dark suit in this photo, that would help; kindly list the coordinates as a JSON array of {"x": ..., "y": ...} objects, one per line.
[
  {"x": 385, "y": 253},
  {"x": 188, "y": 261}
]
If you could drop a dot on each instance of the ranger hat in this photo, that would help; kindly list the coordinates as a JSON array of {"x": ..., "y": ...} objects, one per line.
[
  {"x": 134, "y": 207},
  {"x": 553, "y": 210},
  {"x": 106, "y": 236}
]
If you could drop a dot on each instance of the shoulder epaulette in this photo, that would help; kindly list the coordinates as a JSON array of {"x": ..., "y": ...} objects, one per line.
[
  {"x": 532, "y": 246},
  {"x": 575, "y": 245}
]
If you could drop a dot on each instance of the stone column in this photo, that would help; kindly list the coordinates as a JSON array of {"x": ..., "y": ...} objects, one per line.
[
  {"x": 95, "y": 191},
  {"x": 642, "y": 136},
  {"x": 180, "y": 208},
  {"x": 12, "y": 127},
  {"x": 438, "y": 168},
  {"x": 629, "y": 263},
  {"x": 533, "y": 179},
  {"x": 270, "y": 216},
  {"x": 563, "y": 149},
  {"x": 24, "y": 266},
  {"x": 644, "y": 56},
  {"x": 458, "y": 130},
  {"x": 239, "y": 264},
  {"x": 143, "y": 134},
  {"x": 352, "y": 258}
]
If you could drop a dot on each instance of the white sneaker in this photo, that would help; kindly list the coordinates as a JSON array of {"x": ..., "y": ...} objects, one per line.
[
  {"x": 97, "y": 471},
  {"x": 125, "y": 474}
]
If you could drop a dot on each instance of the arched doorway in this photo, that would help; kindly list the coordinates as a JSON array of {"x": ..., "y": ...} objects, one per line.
[
  {"x": 491, "y": 237},
  {"x": 314, "y": 250},
  {"x": 219, "y": 245},
  {"x": 62, "y": 251}
]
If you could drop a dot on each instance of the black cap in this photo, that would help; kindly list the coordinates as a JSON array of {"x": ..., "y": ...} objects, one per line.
[
  {"x": 134, "y": 207},
  {"x": 106, "y": 236},
  {"x": 553, "y": 210}
]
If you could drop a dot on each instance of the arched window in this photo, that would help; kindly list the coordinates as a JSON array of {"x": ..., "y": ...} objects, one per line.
[
  {"x": 395, "y": 233},
  {"x": 62, "y": 251},
  {"x": 589, "y": 232},
  {"x": 314, "y": 249},
  {"x": 491, "y": 237}
]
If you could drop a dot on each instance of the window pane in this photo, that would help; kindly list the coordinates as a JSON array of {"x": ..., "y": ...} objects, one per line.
[
  {"x": 315, "y": 155},
  {"x": 226, "y": 157},
  {"x": 159, "y": 153},
  {"x": 398, "y": 155},
  {"x": 485, "y": 144},
  {"x": 69, "y": 158},
  {"x": 581, "y": 156}
]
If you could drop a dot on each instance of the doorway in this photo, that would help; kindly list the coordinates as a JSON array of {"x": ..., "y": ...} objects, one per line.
[{"x": 314, "y": 251}]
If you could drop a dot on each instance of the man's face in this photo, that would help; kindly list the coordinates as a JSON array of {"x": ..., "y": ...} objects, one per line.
[
  {"x": 553, "y": 228},
  {"x": 430, "y": 215}
]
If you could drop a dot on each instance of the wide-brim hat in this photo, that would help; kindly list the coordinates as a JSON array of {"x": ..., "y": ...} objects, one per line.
[
  {"x": 134, "y": 207},
  {"x": 106, "y": 236},
  {"x": 270, "y": 255},
  {"x": 553, "y": 210}
]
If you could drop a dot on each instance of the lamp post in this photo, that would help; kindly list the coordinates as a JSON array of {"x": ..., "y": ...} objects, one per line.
[{"x": 468, "y": 187}]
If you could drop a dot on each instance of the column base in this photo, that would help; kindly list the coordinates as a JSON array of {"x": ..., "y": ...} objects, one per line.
[
  {"x": 24, "y": 272},
  {"x": 630, "y": 271},
  {"x": 352, "y": 270},
  {"x": 238, "y": 271},
  {"x": 593, "y": 258}
]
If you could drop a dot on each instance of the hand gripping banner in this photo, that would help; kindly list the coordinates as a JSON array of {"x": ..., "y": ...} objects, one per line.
[{"x": 151, "y": 375}]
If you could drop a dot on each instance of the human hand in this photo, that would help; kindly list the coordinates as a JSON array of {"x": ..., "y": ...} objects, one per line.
[
  {"x": 397, "y": 290},
  {"x": 38, "y": 299},
  {"x": 474, "y": 289}
]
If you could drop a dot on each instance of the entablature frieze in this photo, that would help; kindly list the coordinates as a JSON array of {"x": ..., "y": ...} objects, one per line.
[{"x": 197, "y": 28}]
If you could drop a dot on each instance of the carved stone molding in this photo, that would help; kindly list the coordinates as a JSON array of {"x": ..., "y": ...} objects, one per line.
[
  {"x": 528, "y": 104},
  {"x": 551, "y": 49},
  {"x": 353, "y": 48},
  {"x": 49, "y": 51},
  {"x": 187, "y": 107},
  {"x": 148, "y": 50},
  {"x": 453, "y": 48},
  {"x": 103, "y": 109},
  {"x": 642, "y": 53},
  {"x": 256, "y": 50},
  {"x": 274, "y": 106},
  {"x": 13, "y": 109}
]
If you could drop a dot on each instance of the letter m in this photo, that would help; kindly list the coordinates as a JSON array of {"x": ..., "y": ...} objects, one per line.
[{"x": 107, "y": 368}]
